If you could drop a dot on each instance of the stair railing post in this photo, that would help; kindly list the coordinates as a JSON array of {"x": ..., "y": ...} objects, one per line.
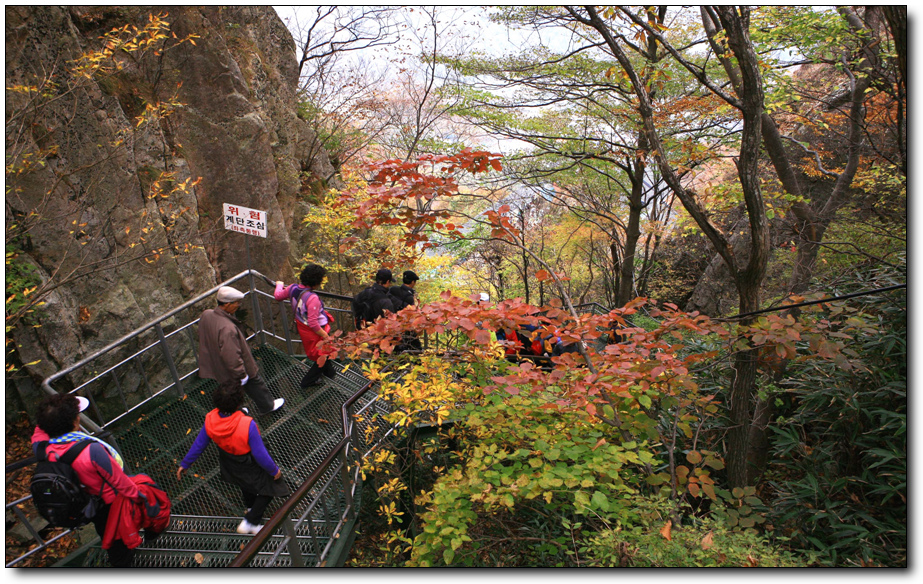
[
  {"x": 257, "y": 316},
  {"x": 169, "y": 357},
  {"x": 287, "y": 328},
  {"x": 347, "y": 485},
  {"x": 294, "y": 550}
]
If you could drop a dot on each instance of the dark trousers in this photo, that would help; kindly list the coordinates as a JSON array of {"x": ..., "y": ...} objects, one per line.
[
  {"x": 120, "y": 556},
  {"x": 257, "y": 505},
  {"x": 257, "y": 391},
  {"x": 314, "y": 373},
  {"x": 409, "y": 342},
  {"x": 312, "y": 376}
]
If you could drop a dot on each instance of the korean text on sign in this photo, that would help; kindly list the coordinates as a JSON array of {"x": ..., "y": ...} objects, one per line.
[{"x": 244, "y": 220}]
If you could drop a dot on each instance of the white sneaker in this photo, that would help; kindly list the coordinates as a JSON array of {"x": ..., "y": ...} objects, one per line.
[
  {"x": 248, "y": 528},
  {"x": 245, "y": 410},
  {"x": 277, "y": 404}
]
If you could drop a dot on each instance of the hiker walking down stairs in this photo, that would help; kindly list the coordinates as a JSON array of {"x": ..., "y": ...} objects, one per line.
[
  {"x": 224, "y": 354},
  {"x": 372, "y": 302},
  {"x": 312, "y": 320},
  {"x": 242, "y": 455},
  {"x": 98, "y": 468},
  {"x": 401, "y": 297}
]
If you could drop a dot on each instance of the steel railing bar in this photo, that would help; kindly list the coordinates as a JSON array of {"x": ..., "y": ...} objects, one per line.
[
  {"x": 114, "y": 367},
  {"x": 306, "y": 521},
  {"x": 283, "y": 512},
  {"x": 139, "y": 404},
  {"x": 322, "y": 490},
  {"x": 333, "y": 538},
  {"x": 190, "y": 374},
  {"x": 278, "y": 338},
  {"x": 294, "y": 549},
  {"x": 38, "y": 549},
  {"x": 193, "y": 342},
  {"x": 189, "y": 303},
  {"x": 169, "y": 358},
  {"x": 31, "y": 528},
  {"x": 95, "y": 408},
  {"x": 287, "y": 329},
  {"x": 255, "y": 303},
  {"x": 147, "y": 383},
  {"x": 272, "y": 319},
  {"x": 118, "y": 387}
]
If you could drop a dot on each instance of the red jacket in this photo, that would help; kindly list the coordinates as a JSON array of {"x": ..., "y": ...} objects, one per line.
[
  {"x": 128, "y": 516},
  {"x": 96, "y": 470},
  {"x": 231, "y": 434}
]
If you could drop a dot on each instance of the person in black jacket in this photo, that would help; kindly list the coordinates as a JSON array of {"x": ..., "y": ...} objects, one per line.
[
  {"x": 405, "y": 296},
  {"x": 372, "y": 302}
]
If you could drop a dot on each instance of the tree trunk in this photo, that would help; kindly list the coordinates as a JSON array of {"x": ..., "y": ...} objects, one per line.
[
  {"x": 806, "y": 258},
  {"x": 735, "y": 22},
  {"x": 742, "y": 393},
  {"x": 627, "y": 273},
  {"x": 616, "y": 277},
  {"x": 525, "y": 275},
  {"x": 632, "y": 233}
]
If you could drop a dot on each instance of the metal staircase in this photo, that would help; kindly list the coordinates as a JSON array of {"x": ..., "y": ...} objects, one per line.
[
  {"x": 206, "y": 509},
  {"x": 146, "y": 396}
]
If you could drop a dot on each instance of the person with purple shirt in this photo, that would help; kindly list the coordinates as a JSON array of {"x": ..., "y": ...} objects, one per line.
[{"x": 242, "y": 455}]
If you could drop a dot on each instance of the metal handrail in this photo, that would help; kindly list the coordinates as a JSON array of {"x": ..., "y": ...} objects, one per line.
[
  {"x": 154, "y": 325},
  {"x": 46, "y": 384},
  {"x": 269, "y": 528},
  {"x": 341, "y": 450},
  {"x": 167, "y": 357},
  {"x": 349, "y": 404}
]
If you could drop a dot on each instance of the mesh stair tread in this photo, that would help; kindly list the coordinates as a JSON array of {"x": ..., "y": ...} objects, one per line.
[{"x": 206, "y": 510}]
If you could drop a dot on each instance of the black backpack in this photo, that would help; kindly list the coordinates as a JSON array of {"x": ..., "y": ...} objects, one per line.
[
  {"x": 362, "y": 309},
  {"x": 56, "y": 491}
]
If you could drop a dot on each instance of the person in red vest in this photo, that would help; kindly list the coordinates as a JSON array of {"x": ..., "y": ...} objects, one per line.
[{"x": 242, "y": 456}]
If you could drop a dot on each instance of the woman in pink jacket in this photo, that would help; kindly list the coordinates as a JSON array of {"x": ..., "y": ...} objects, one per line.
[{"x": 312, "y": 320}]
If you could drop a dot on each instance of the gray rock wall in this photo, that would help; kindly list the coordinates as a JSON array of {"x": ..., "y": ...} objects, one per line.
[{"x": 236, "y": 131}]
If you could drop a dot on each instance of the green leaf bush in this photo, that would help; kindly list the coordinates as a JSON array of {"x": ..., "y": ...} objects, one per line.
[{"x": 839, "y": 472}]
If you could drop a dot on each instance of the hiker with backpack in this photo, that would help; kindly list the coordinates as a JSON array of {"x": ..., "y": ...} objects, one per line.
[
  {"x": 311, "y": 319},
  {"x": 372, "y": 302},
  {"x": 404, "y": 295},
  {"x": 242, "y": 455},
  {"x": 69, "y": 458},
  {"x": 401, "y": 297}
]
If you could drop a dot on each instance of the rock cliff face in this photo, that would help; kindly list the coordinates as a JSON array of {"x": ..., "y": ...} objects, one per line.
[{"x": 92, "y": 207}]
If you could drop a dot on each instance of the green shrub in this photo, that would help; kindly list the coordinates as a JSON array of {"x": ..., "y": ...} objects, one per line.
[
  {"x": 840, "y": 466},
  {"x": 707, "y": 543},
  {"x": 522, "y": 481}
]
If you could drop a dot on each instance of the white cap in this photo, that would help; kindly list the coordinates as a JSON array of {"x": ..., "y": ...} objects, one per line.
[
  {"x": 227, "y": 294},
  {"x": 84, "y": 402},
  {"x": 484, "y": 297}
]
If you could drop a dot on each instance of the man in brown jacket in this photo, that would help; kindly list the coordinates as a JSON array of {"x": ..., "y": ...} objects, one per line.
[{"x": 224, "y": 353}]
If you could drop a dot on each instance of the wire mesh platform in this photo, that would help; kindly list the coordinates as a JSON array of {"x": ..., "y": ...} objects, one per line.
[{"x": 205, "y": 509}]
